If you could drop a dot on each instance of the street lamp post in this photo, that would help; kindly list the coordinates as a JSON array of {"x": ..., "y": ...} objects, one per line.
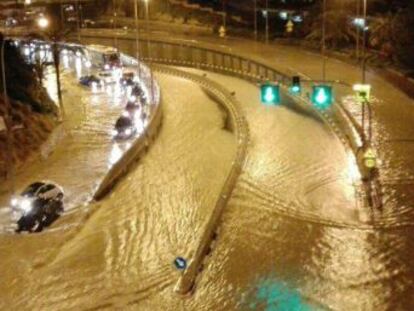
[
  {"x": 77, "y": 21},
  {"x": 137, "y": 38},
  {"x": 149, "y": 47},
  {"x": 324, "y": 41},
  {"x": 267, "y": 21},
  {"x": 10, "y": 159},
  {"x": 357, "y": 29},
  {"x": 364, "y": 43},
  {"x": 255, "y": 19},
  {"x": 224, "y": 15},
  {"x": 62, "y": 15},
  {"x": 114, "y": 24},
  {"x": 43, "y": 23}
]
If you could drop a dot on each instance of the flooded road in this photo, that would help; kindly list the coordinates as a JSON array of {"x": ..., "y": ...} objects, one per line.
[
  {"x": 128, "y": 242},
  {"x": 276, "y": 250}
]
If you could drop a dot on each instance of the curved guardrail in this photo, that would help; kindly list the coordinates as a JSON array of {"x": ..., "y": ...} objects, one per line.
[{"x": 239, "y": 125}]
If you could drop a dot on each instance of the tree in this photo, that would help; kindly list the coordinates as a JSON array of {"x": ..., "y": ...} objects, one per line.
[
  {"x": 40, "y": 63},
  {"x": 56, "y": 34},
  {"x": 339, "y": 30},
  {"x": 404, "y": 37}
]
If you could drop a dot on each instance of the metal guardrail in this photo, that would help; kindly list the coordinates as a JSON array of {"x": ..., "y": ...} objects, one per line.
[
  {"x": 142, "y": 142},
  {"x": 239, "y": 124},
  {"x": 196, "y": 55}
]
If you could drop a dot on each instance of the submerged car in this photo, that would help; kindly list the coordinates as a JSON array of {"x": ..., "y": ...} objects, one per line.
[
  {"x": 38, "y": 206},
  {"x": 127, "y": 79},
  {"x": 132, "y": 106},
  {"x": 89, "y": 80},
  {"x": 124, "y": 127}
]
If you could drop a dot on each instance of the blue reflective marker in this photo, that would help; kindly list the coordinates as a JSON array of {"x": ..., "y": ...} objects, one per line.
[{"x": 180, "y": 263}]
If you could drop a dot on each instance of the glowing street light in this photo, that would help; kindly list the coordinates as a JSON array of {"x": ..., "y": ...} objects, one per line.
[{"x": 43, "y": 22}]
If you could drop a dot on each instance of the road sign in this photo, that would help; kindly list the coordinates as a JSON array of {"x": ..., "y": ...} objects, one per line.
[
  {"x": 322, "y": 97},
  {"x": 270, "y": 94},
  {"x": 370, "y": 159},
  {"x": 3, "y": 126},
  {"x": 222, "y": 32},
  {"x": 180, "y": 263},
  {"x": 289, "y": 26},
  {"x": 362, "y": 92}
]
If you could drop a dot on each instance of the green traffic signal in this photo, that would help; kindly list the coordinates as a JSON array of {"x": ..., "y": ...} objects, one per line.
[
  {"x": 270, "y": 94},
  {"x": 295, "y": 88},
  {"x": 322, "y": 97}
]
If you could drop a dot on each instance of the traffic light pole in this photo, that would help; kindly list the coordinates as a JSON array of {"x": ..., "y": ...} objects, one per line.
[
  {"x": 267, "y": 21},
  {"x": 324, "y": 41},
  {"x": 364, "y": 43}
]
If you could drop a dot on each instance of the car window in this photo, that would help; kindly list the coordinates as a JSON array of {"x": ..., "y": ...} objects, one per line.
[
  {"x": 31, "y": 190},
  {"x": 46, "y": 188}
]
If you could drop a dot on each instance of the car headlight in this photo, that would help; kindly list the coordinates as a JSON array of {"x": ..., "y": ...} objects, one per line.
[
  {"x": 25, "y": 205},
  {"x": 14, "y": 202}
]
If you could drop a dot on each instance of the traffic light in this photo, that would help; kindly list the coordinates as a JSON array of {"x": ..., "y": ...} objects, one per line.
[
  {"x": 322, "y": 97},
  {"x": 362, "y": 92},
  {"x": 295, "y": 88},
  {"x": 270, "y": 94}
]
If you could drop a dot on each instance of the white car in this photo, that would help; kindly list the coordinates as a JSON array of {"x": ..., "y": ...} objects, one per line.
[{"x": 38, "y": 206}]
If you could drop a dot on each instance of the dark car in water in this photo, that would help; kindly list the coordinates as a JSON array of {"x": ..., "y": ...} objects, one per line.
[
  {"x": 89, "y": 80},
  {"x": 38, "y": 206},
  {"x": 124, "y": 127}
]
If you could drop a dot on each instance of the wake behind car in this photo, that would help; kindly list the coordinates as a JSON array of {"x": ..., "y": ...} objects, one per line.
[
  {"x": 38, "y": 206},
  {"x": 124, "y": 127}
]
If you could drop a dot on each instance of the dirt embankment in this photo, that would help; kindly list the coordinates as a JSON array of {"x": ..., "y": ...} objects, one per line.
[{"x": 29, "y": 129}]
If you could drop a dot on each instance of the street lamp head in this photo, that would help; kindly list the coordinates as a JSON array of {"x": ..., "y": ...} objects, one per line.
[{"x": 43, "y": 22}]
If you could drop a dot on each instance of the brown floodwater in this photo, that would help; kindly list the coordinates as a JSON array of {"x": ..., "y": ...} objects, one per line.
[{"x": 292, "y": 236}]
